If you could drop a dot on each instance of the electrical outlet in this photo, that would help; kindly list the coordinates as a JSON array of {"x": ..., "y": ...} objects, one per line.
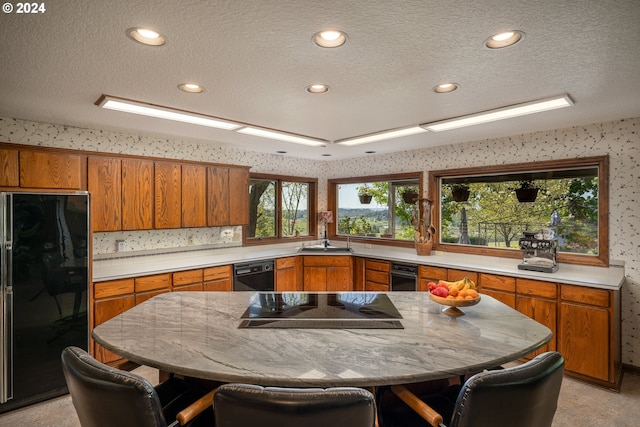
[{"x": 121, "y": 246}]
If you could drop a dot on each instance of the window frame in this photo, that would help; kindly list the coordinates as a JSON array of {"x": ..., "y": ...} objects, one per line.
[
  {"x": 312, "y": 198},
  {"x": 601, "y": 162},
  {"x": 332, "y": 203}
]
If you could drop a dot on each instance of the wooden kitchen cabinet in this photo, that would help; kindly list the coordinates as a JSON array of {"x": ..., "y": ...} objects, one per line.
[
  {"x": 149, "y": 286},
  {"x": 137, "y": 194},
  {"x": 377, "y": 275},
  {"x": 9, "y": 170},
  {"x": 167, "y": 195},
  {"x": 51, "y": 170},
  {"x": 194, "y": 196},
  {"x": 589, "y": 332},
  {"x": 218, "y": 196},
  {"x": 104, "y": 181},
  {"x": 287, "y": 275},
  {"x": 428, "y": 274},
  {"x": 454, "y": 275},
  {"x": 190, "y": 280},
  {"x": 239, "y": 199},
  {"x": 327, "y": 273},
  {"x": 219, "y": 278},
  {"x": 538, "y": 300},
  {"x": 110, "y": 299},
  {"x": 502, "y": 288}
]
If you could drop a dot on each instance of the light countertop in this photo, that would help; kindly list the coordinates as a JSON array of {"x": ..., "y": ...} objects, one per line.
[{"x": 118, "y": 267}]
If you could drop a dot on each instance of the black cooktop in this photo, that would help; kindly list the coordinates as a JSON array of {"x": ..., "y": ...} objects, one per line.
[{"x": 342, "y": 310}]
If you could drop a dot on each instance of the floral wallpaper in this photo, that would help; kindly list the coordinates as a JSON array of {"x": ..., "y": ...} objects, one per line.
[{"x": 619, "y": 139}]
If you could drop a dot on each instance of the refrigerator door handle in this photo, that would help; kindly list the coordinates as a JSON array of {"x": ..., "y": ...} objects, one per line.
[{"x": 6, "y": 300}]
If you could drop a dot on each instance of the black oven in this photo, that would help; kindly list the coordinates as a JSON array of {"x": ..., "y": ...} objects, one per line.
[
  {"x": 404, "y": 277},
  {"x": 253, "y": 276}
]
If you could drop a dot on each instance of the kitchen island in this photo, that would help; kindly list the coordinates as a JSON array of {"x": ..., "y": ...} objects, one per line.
[{"x": 197, "y": 334}]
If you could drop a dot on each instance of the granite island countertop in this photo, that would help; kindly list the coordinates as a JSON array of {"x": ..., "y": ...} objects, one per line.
[
  {"x": 118, "y": 266},
  {"x": 196, "y": 334}
]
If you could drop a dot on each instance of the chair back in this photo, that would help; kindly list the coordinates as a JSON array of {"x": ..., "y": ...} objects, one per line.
[
  {"x": 241, "y": 405},
  {"x": 521, "y": 396},
  {"x": 107, "y": 397}
]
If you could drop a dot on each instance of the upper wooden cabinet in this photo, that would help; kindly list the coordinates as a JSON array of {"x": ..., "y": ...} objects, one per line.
[
  {"x": 51, "y": 170},
  {"x": 168, "y": 195},
  {"x": 9, "y": 173},
  {"x": 218, "y": 196},
  {"x": 137, "y": 194},
  {"x": 194, "y": 196},
  {"x": 105, "y": 185},
  {"x": 239, "y": 202}
]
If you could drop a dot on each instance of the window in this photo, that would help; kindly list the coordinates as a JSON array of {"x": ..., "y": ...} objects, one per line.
[
  {"x": 281, "y": 208},
  {"x": 380, "y": 207},
  {"x": 486, "y": 211}
]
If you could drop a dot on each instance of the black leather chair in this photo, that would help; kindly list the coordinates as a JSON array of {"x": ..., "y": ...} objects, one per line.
[
  {"x": 525, "y": 395},
  {"x": 105, "y": 397},
  {"x": 242, "y": 405}
]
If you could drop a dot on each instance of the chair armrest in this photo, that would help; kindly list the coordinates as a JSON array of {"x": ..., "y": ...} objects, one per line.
[
  {"x": 419, "y": 407},
  {"x": 196, "y": 408}
]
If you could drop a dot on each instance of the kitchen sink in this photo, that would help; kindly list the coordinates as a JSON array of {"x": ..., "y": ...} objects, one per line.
[{"x": 322, "y": 248}]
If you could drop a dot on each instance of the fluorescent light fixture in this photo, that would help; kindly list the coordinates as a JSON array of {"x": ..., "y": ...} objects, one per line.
[
  {"x": 390, "y": 134},
  {"x": 501, "y": 113},
  {"x": 281, "y": 136},
  {"x": 135, "y": 107}
]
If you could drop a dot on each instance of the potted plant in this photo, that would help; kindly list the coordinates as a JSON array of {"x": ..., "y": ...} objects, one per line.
[
  {"x": 528, "y": 191},
  {"x": 364, "y": 194},
  {"x": 410, "y": 195},
  {"x": 460, "y": 192}
]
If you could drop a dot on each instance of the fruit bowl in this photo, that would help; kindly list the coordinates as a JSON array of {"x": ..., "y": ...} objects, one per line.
[{"x": 453, "y": 304}]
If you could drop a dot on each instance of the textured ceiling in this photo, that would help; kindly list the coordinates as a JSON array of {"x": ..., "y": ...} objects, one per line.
[{"x": 256, "y": 57}]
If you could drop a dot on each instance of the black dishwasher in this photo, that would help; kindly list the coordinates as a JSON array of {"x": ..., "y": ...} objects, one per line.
[
  {"x": 254, "y": 276},
  {"x": 404, "y": 277}
]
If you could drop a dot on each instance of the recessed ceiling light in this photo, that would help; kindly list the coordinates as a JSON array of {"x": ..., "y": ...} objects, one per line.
[
  {"x": 330, "y": 38},
  {"x": 191, "y": 88},
  {"x": 504, "y": 39},
  {"x": 446, "y": 87},
  {"x": 317, "y": 88},
  {"x": 146, "y": 36}
]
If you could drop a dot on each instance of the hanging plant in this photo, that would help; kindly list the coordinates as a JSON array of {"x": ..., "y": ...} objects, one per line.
[
  {"x": 528, "y": 191},
  {"x": 364, "y": 194},
  {"x": 410, "y": 196},
  {"x": 460, "y": 192}
]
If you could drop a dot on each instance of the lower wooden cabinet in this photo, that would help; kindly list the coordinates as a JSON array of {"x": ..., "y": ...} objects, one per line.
[
  {"x": 428, "y": 274},
  {"x": 110, "y": 299},
  {"x": 327, "y": 273},
  {"x": 218, "y": 278},
  {"x": 190, "y": 280},
  {"x": 377, "y": 275},
  {"x": 288, "y": 274},
  {"x": 538, "y": 300},
  {"x": 502, "y": 288}
]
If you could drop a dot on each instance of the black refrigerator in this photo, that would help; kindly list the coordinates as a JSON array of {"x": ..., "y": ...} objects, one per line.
[{"x": 45, "y": 282}]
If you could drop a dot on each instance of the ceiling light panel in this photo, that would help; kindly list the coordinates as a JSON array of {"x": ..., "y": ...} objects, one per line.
[
  {"x": 381, "y": 136},
  {"x": 136, "y": 107},
  {"x": 282, "y": 136},
  {"x": 501, "y": 113}
]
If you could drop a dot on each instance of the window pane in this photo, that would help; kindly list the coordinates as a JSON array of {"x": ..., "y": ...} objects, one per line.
[
  {"x": 497, "y": 212},
  {"x": 262, "y": 208},
  {"x": 295, "y": 209}
]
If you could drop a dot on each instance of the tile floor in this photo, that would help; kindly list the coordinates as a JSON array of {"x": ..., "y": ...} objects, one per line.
[{"x": 579, "y": 404}]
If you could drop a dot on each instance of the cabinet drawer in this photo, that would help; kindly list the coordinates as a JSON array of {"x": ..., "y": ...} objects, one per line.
[
  {"x": 150, "y": 283},
  {"x": 453, "y": 275},
  {"x": 377, "y": 277},
  {"x": 377, "y": 265},
  {"x": 327, "y": 261},
  {"x": 189, "y": 277},
  {"x": 498, "y": 283},
  {"x": 216, "y": 273},
  {"x": 432, "y": 273},
  {"x": 536, "y": 288},
  {"x": 579, "y": 294},
  {"x": 376, "y": 287},
  {"x": 112, "y": 288},
  {"x": 289, "y": 262}
]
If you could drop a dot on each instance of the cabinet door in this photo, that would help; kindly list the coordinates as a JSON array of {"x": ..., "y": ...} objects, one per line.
[
  {"x": 50, "y": 170},
  {"x": 218, "y": 196},
  {"x": 189, "y": 277},
  {"x": 194, "y": 196},
  {"x": 286, "y": 276},
  {"x": 9, "y": 173},
  {"x": 584, "y": 340},
  {"x": 315, "y": 279},
  {"x": 104, "y": 182},
  {"x": 542, "y": 311},
  {"x": 239, "y": 201},
  {"x": 453, "y": 275},
  {"x": 339, "y": 279},
  {"x": 502, "y": 288},
  {"x": 167, "y": 195},
  {"x": 137, "y": 194},
  {"x": 103, "y": 311},
  {"x": 218, "y": 278}
]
